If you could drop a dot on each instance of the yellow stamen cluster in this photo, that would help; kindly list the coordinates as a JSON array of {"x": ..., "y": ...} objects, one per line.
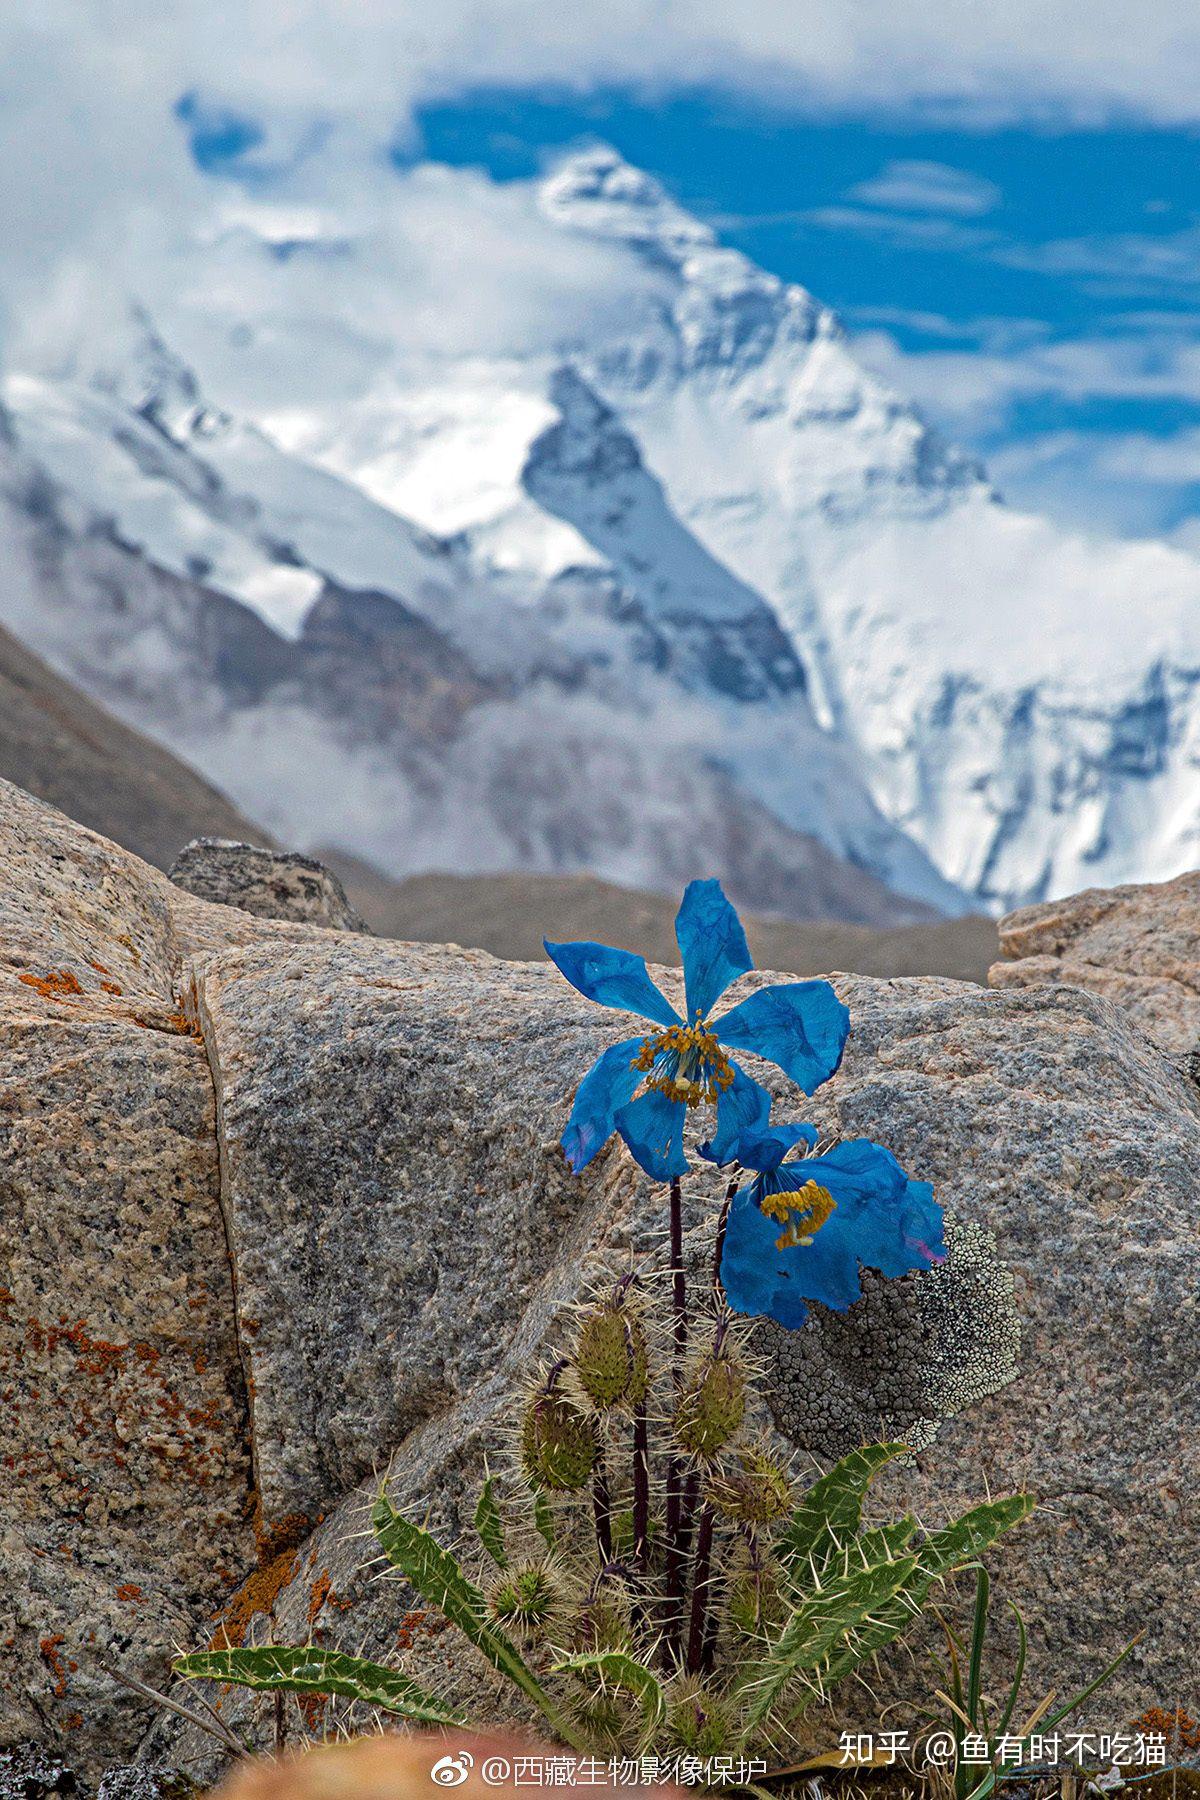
[
  {"x": 694, "y": 1068},
  {"x": 802, "y": 1212}
]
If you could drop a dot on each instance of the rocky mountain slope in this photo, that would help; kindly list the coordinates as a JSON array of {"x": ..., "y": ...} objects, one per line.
[
  {"x": 509, "y": 915},
  {"x": 239, "y": 1275},
  {"x": 59, "y": 745}
]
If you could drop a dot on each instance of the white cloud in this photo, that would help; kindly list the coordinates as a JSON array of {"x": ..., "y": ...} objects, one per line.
[
  {"x": 89, "y": 146},
  {"x": 928, "y": 187}
]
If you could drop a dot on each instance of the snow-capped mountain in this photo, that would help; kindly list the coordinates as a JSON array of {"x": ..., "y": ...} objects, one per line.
[
  {"x": 1021, "y": 698},
  {"x": 357, "y": 682},
  {"x": 686, "y": 586}
]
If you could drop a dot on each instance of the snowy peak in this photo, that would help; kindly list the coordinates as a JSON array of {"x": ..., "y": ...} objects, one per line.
[
  {"x": 710, "y": 629},
  {"x": 597, "y": 191}
]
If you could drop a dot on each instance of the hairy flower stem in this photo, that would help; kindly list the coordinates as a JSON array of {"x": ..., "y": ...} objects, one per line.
[
  {"x": 675, "y": 1554},
  {"x": 602, "y": 1505},
  {"x": 701, "y": 1576},
  {"x": 722, "y": 1225}
]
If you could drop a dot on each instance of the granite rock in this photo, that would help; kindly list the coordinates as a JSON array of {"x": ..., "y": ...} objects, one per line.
[
  {"x": 125, "y": 1511},
  {"x": 1138, "y": 946},
  {"x": 271, "y": 884},
  {"x": 433, "y": 1083},
  {"x": 316, "y": 1177}
]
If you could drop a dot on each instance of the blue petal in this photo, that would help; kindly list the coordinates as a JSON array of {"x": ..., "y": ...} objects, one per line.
[
  {"x": 766, "y": 1149},
  {"x": 652, "y": 1127},
  {"x": 612, "y": 978},
  {"x": 742, "y": 1107},
  {"x": 712, "y": 944},
  {"x": 799, "y": 1025},
  {"x": 883, "y": 1220},
  {"x": 608, "y": 1085}
]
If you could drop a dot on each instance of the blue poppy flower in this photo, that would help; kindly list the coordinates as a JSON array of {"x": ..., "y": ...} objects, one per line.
[
  {"x": 799, "y": 1025},
  {"x": 801, "y": 1229}
]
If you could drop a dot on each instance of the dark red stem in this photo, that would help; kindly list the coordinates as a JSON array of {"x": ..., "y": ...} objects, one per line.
[
  {"x": 722, "y": 1225},
  {"x": 673, "y": 1617},
  {"x": 603, "y": 1509},
  {"x": 641, "y": 1488},
  {"x": 701, "y": 1570}
]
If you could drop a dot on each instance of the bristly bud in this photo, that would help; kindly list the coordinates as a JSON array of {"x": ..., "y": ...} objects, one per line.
[
  {"x": 602, "y": 1624},
  {"x": 610, "y": 1356},
  {"x": 757, "y": 1492},
  {"x": 755, "y": 1601},
  {"x": 529, "y": 1597},
  {"x": 697, "y": 1722},
  {"x": 711, "y": 1405},
  {"x": 558, "y": 1445}
]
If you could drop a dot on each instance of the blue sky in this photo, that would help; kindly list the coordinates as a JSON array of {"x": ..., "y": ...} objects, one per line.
[{"x": 1036, "y": 289}]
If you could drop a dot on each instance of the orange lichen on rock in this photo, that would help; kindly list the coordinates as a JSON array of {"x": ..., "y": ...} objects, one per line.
[
  {"x": 1180, "y": 1730},
  {"x": 419, "y": 1623},
  {"x": 54, "y": 985},
  {"x": 49, "y": 1650},
  {"x": 322, "y": 1590},
  {"x": 285, "y": 1534},
  {"x": 257, "y": 1594}
]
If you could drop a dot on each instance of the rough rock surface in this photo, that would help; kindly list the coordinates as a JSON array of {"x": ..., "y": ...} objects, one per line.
[
  {"x": 271, "y": 884},
  {"x": 1138, "y": 946},
  {"x": 1044, "y": 1117},
  {"x": 405, "y": 1242},
  {"x": 124, "y": 1514}
]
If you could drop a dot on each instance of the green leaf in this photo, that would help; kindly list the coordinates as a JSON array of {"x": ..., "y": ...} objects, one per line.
[
  {"x": 619, "y": 1670},
  {"x": 829, "y": 1514},
  {"x": 815, "y": 1631},
  {"x": 937, "y": 1556},
  {"x": 439, "y": 1579},
  {"x": 314, "y": 1671},
  {"x": 882, "y": 1543},
  {"x": 543, "y": 1518},
  {"x": 489, "y": 1525}
]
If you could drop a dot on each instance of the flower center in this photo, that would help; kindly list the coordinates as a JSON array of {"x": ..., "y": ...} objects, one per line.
[
  {"x": 685, "y": 1062},
  {"x": 801, "y": 1212}
]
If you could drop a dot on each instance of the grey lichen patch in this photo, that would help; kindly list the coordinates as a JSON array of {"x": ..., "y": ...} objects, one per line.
[{"x": 907, "y": 1355}]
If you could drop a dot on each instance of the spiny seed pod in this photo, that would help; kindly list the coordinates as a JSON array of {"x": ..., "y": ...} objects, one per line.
[
  {"x": 558, "y": 1445},
  {"x": 755, "y": 1601},
  {"x": 610, "y": 1356},
  {"x": 755, "y": 1493},
  {"x": 605, "y": 1717},
  {"x": 602, "y": 1624},
  {"x": 698, "y": 1723},
  {"x": 528, "y": 1597},
  {"x": 711, "y": 1405}
]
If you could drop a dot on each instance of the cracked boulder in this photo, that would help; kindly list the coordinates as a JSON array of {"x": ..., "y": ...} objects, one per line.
[
  {"x": 285, "y": 1207},
  {"x": 1138, "y": 946}
]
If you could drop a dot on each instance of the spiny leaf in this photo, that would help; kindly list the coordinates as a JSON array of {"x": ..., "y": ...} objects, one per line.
[
  {"x": 543, "y": 1518},
  {"x": 622, "y": 1671},
  {"x": 314, "y": 1671},
  {"x": 829, "y": 1514},
  {"x": 881, "y": 1543},
  {"x": 439, "y": 1579},
  {"x": 489, "y": 1525},
  {"x": 937, "y": 1555},
  {"x": 814, "y": 1632}
]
